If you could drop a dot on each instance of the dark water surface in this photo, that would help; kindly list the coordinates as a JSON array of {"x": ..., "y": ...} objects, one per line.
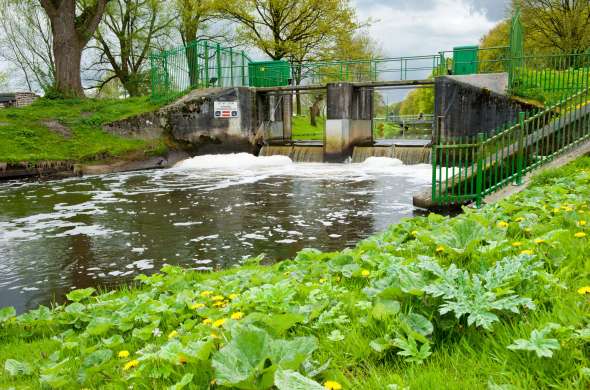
[{"x": 207, "y": 213}]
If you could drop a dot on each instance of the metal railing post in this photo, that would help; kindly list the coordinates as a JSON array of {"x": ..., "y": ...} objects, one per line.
[
  {"x": 206, "y": 64},
  {"x": 243, "y": 69},
  {"x": 479, "y": 172},
  {"x": 218, "y": 58},
  {"x": 520, "y": 153}
]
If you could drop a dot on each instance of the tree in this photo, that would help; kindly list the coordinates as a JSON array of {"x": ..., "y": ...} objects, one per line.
[
  {"x": 283, "y": 28},
  {"x": 26, "y": 43},
  {"x": 126, "y": 36},
  {"x": 73, "y": 23},
  {"x": 557, "y": 24}
]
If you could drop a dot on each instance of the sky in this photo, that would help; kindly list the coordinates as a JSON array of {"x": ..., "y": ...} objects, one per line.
[
  {"x": 419, "y": 27},
  {"x": 423, "y": 27}
]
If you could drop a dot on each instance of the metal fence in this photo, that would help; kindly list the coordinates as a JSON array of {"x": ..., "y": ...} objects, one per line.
[
  {"x": 466, "y": 169},
  {"x": 549, "y": 78},
  {"x": 200, "y": 64}
]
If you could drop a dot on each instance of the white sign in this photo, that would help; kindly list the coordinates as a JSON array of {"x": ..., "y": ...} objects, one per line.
[{"x": 226, "y": 109}]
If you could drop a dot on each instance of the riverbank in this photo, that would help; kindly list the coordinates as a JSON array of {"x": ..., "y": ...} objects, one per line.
[
  {"x": 493, "y": 298},
  {"x": 62, "y": 137}
]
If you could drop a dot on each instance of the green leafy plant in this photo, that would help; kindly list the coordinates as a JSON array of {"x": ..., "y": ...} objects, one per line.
[{"x": 538, "y": 342}]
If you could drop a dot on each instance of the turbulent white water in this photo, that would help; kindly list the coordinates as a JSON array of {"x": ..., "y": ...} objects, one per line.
[{"x": 206, "y": 212}]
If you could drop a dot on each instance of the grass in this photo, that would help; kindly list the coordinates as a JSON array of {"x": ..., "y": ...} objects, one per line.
[
  {"x": 25, "y": 137},
  {"x": 303, "y": 130},
  {"x": 433, "y": 302}
]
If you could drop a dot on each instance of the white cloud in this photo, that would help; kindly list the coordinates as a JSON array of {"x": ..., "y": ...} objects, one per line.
[{"x": 409, "y": 31}]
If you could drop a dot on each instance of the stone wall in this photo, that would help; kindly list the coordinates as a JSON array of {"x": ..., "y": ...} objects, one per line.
[
  {"x": 17, "y": 99},
  {"x": 468, "y": 105}
]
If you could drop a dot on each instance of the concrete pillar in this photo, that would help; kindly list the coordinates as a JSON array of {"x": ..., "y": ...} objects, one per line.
[
  {"x": 348, "y": 122},
  {"x": 287, "y": 100}
]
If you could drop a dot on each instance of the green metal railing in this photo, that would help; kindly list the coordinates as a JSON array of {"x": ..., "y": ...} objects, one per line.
[
  {"x": 466, "y": 169},
  {"x": 549, "y": 78},
  {"x": 200, "y": 64},
  {"x": 203, "y": 64}
]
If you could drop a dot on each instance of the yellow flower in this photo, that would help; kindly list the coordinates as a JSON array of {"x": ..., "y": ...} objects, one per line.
[
  {"x": 365, "y": 273},
  {"x": 172, "y": 334},
  {"x": 502, "y": 224},
  {"x": 123, "y": 354},
  {"x": 440, "y": 249},
  {"x": 322, "y": 280},
  {"x": 233, "y": 296},
  {"x": 528, "y": 230},
  {"x": 517, "y": 244},
  {"x": 206, "y": 293},
  {"x": 218, "y": 298},
  {"x": 581, "y": 212},
  {"x": 519, "y": 219},
  {"x": 526, "y": 252},
  {"x": 219, "y": 322},
  {"x": 580, "y": 235},
  {"x": 130, "y": 364},
  {"x": 207, "y": 321},
  {"x": 582, "y": 223},
  {"x": 219, "y": 304},
  {"x": 556, "y": 210},
  {"x": 584, "y": 290},
  {"x": 196, "y": 306},
  {"x": 331, "y": 385},
  {"x": 182, "y": 359},
  {"x": 214, "y": 335},
  {"x": 238, "y": 315},
  {"x": 414, "y": 233},
  {"x": 539, "y": 241}
]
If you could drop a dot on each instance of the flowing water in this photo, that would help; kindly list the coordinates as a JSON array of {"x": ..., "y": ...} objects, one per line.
[{"x": 209, "y": 212}]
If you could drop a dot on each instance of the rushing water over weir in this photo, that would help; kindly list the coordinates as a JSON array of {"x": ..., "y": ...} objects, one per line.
[{"x": 209, "y": 212}]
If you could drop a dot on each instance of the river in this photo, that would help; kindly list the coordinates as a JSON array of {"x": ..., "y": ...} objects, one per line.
[{"x": 208, "y": 212}]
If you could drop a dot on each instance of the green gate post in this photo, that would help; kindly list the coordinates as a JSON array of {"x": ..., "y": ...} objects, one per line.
[
  {"x": 218, "y": 58},
  {"x": 479, "y": 178},
  {"x": 520, "y": 154},
  {"x": 206, "y": 64}
]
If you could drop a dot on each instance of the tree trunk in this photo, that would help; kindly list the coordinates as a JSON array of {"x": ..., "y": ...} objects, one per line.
[
  {"x": 71, "y": 33},
  {"x": 314, "y": 110},
  {"x": 68, "y": 57}
]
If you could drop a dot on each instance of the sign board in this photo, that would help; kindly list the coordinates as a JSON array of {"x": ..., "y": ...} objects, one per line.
[{"x": 226, "y": 110}]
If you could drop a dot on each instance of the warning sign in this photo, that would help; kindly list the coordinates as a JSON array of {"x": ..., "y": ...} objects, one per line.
[{"x": 226, "y": 110}]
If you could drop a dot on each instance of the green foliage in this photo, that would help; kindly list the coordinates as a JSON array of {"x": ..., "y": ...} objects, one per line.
[
  {"x": 27, "y": 136},
  {"x": 392, "y": 312},
  {"x": 252, "y": 356},
  {"x": 538, "y": 343}
]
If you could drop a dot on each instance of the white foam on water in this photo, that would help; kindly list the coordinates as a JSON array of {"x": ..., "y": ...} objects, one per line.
[{"x": 235, "y": 162}]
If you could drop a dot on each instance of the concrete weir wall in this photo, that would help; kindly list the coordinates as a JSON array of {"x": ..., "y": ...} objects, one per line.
[
  {"x": 191, "y": 119},
  {"x": 468, "y": 105},
  {"x": 348, "y": 122}
]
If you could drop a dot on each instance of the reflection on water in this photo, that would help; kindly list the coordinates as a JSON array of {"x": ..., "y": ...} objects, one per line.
[{"x": 204, "y": 214}]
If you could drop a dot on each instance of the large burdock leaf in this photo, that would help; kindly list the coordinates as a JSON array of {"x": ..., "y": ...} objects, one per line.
[
  {"x": 81, "y": 294},
  {"x": 252, "y": 356},
  {"x": 292, "y": 380},
  {"x": 16, "y": 368},
  {"x": 461, "y": 237}
]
